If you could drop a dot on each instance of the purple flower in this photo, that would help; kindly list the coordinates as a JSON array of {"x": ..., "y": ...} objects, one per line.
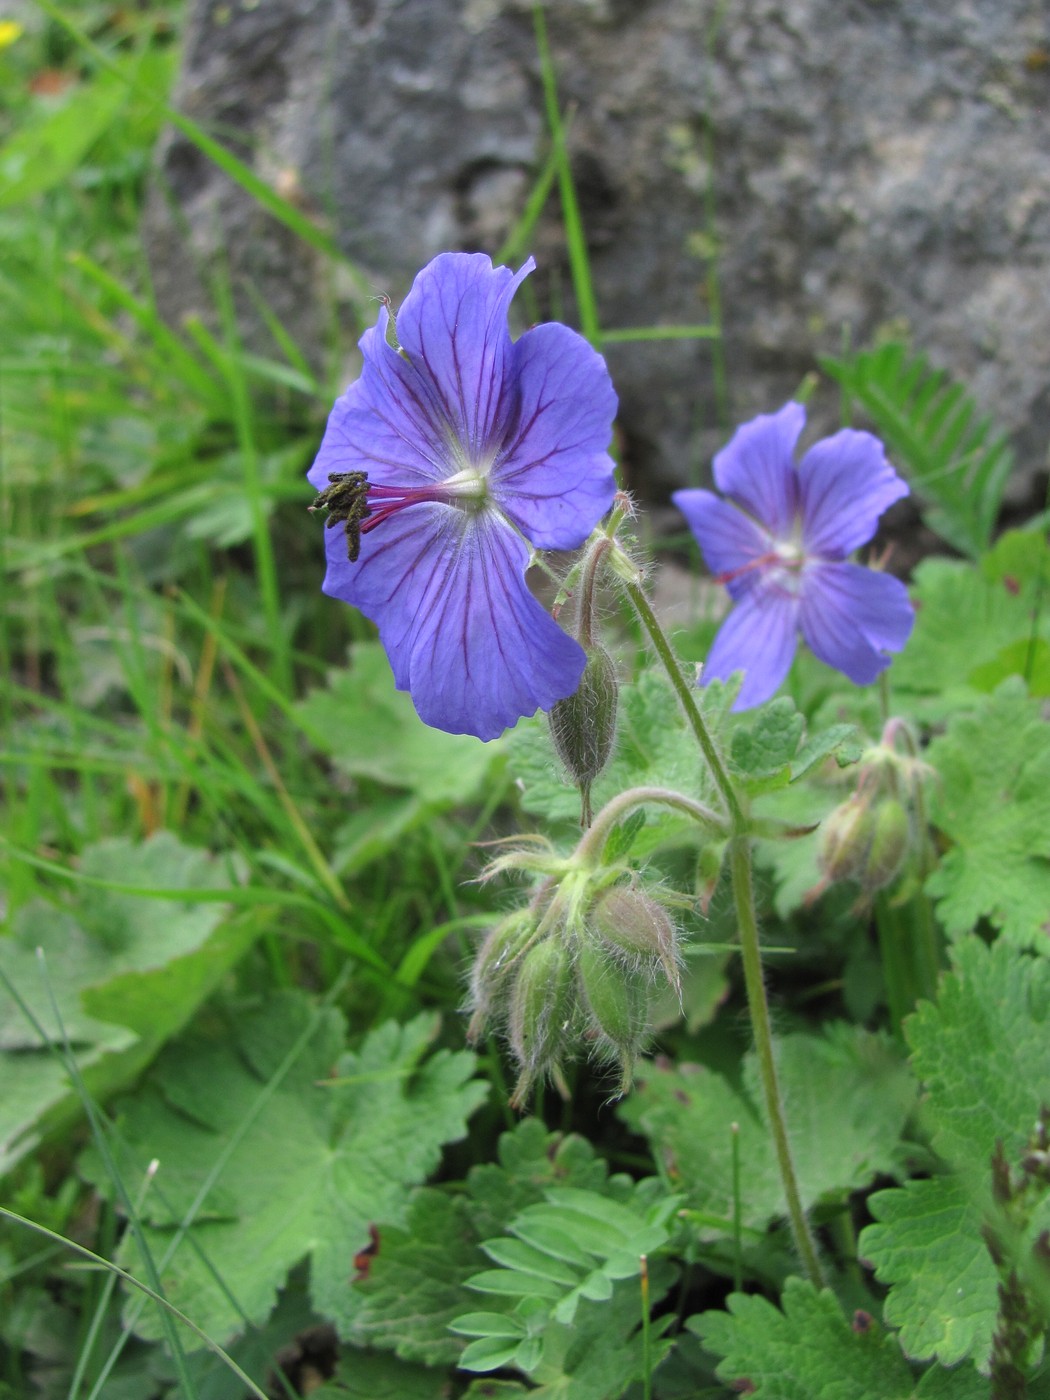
[
  {"x": 455, "y": 454},
  {"x": 779, "y": 545}
]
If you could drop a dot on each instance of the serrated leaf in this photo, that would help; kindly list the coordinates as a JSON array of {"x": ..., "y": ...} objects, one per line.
[
  {"x": 764, "y": 747},
  {"x": 993, "y": 804},
  {"x": 371, "y": 730},
  {"x": 416, "y": 1283},
  {"x": 844, "y": 741},
  {"x": 850, "y": 1077},
  {"x": 927, "y": 1245},
  {"x": 969, "y": 621},
  {"x": 809, "y": 1349},
  {"x": 320, "y": 1159},
  {"x": 983, "y": 1052}
]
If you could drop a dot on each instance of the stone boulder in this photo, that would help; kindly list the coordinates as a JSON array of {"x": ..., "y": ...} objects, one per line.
[{"x": 812, "y": 168}]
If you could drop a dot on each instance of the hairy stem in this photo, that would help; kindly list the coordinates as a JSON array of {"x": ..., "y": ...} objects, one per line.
[
  {"x": 747, "y": 921},
  {"x": 758, "y": 1007},
  {"x": 594, "y": 839}
]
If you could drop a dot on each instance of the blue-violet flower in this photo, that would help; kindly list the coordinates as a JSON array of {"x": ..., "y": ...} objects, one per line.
[
  {"x": 779, "y": 544},
  {"x": 456, "y": 453}
]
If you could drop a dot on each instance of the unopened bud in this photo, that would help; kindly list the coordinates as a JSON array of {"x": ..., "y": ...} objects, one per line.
[
  {"x": 583, "y": 725},
  {"x": 617, "y": 998},
  {"x": 638, "y": 927},
  {"x": 846, "y": 839},
  {"x": 494, "y": 962},
  {"x": 890, "y": 839},
  {"x": 540, "y": 1007}
]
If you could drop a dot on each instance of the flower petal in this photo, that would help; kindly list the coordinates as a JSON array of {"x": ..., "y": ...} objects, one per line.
[
  {"x": 463, "y": 633},
  {"x": 453, "y": 328},
  {"x": 554, "y": 478},
  {"x": 389, "y": 423},
  {"x": 732, "y": 544},
  {"x": 758, "y": 638},
  {"x": 850, "y": 617},
  {"x": 757, "y": 468},
  {"x": 846, "y": 484}
]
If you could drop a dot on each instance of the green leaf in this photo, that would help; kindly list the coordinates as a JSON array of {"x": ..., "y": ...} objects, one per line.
[
  {"x": 983, "y": 1054},
  {"x": 371, "y": 730},
  {"x": 809, "y": 1349},
  {"x": 614, "y": 1233},
  {"x": 973, "y": 626},
  {"x": 763, "y": 748},
  {"x": 319, "y": 1155},
  {"x": 993, "y": 804},
  {"x": 850, "y": 1078},
  {"x": 844, "y": 741},
  {"x": 944, "y": 1287},
  {"x": 415, "y": 1285},
  {"x": 956, "y": 462},
  {"x": 601, "y": 1353},
  {"x": 127, "y": 974}
]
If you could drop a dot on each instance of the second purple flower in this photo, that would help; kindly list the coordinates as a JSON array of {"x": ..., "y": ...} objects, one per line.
[
  {"x": 780, "y": 543},
  {"x": 456, "y": 453}
]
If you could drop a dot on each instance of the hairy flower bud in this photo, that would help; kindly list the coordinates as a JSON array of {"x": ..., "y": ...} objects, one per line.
[
  {"x": 583, "y": 726},
  {"x": 494, "y": 963},
  {"x": 890, "y": 839},
  {"x": 617, "y": 998},
  {"x": 540, "y": 1009},
  {"x": 846, "y": 839},
  {"x": 638, "y": 927}
]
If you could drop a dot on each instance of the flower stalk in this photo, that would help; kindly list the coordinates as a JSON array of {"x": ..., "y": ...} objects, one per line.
[{"x": 747, "y": 921}]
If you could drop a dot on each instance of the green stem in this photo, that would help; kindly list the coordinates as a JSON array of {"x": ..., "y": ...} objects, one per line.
[
  {"x": 747, "y": 921},
  {"x": 592, "y": 842},
  {"x": 761, "y": 1027},
  {"x": 720, "y": 774}
]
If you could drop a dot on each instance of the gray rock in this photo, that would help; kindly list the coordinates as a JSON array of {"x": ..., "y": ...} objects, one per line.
[{"x": 868, "y": 163}]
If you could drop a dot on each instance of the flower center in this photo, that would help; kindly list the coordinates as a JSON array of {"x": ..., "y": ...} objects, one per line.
[{"x": 363, "y": 505}]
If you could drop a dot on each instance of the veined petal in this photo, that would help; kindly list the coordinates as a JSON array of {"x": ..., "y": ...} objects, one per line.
[
  {"x": 846, "y": 484},
  {"x": 388, "y": 424},
  {"x": 554, "y": 478},
  {"x": 464, "y": 635},
  {"x": 731, "y": 542},
  {"x": 453, "y": 327},
  {"x": 851, "y": 617},
  {"x": 757, "y": 468},
  {"x": 758, "y": 638}
]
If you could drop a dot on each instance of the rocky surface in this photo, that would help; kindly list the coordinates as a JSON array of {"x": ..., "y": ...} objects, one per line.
[{"x": 851, "y": 163}]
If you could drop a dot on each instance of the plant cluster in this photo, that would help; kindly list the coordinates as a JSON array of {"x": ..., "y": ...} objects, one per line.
[{"x": 537, "y": 999}]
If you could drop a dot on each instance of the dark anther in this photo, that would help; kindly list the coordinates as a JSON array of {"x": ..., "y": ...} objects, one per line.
[{"x": 346, "y": 498}]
